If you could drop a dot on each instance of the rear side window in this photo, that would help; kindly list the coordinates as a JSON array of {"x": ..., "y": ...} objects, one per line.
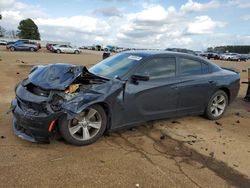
[
  {"x": 190, "y": 67},
  {"x": 162, "y": 67}
]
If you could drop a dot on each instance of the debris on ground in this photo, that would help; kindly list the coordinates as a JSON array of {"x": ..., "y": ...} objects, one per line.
[
  {"x": 211, "y": 154},
  {"x": 137, "y": 185},
  {"x": 244, "y": 70},
  {"x": 218, "y": 123},
  {"x": 19, "y": 61},
  {"x": 224, "y": 152},
  {"x": 238, "y": 121},
  {"x": 3, "y": 137},
  {"x": 235, "y": 165},
  {"x": 194, "y": 136},
  {"x": 17, "y": 73},
  {"x": 162, "y": 137},
  {"x": 237, "y": 114}
]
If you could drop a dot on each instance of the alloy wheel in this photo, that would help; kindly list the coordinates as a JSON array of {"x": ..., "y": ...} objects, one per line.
[
  {"x": 218, "y": 105},
  {"x": 86, "y": 125}
]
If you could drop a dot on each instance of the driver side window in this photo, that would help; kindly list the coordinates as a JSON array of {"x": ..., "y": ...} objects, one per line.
[{"x": 160, "y": 67}]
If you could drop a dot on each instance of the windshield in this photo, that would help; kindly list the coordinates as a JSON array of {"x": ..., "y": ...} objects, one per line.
[{"x": 117, "y": 65}]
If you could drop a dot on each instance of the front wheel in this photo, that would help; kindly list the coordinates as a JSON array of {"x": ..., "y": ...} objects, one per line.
[
  {"x": 86, "y": 127},
  {"x": 58, "y": 51},
  {"x": 32, "y": 49},
  {"x": 217, "y": 105},
  {"x": 76, "y": 52},
  {"x": 12, "y": 49}
]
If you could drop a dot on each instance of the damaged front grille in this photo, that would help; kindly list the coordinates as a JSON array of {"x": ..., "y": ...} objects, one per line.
[{"x": 31, "y": 107}]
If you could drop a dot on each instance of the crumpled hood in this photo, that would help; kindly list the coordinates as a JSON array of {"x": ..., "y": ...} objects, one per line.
[{"x": 54, "y": 76}]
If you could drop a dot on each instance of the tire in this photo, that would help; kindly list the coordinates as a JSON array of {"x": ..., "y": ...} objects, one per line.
[
  {"x": 58, "y": 51},
  {"x": 76, "y": 52},
  {"x": 219, "y": 101},
  {"x": 32, "y": 49},
  {"x": 80, "y": 131},
  {"x": 12, "y": 49}
]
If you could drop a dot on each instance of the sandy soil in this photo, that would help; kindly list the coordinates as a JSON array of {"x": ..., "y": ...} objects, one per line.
[{"x": 182, "y": 152}]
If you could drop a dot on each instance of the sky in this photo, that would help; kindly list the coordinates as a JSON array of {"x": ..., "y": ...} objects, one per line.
[{"x": 193, "y": 24}]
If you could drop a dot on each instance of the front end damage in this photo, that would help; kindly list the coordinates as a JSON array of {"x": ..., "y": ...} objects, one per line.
[{"x": 50, "y": 92}]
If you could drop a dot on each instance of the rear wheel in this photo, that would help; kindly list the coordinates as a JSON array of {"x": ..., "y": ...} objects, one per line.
[
  {"x": 58, "y": 51},
  {"x": 12, "y": 48},
  {"x": 32, "y": 49},
  {"x": 217, "y": 105},
  {"x": 86, "y": 128},
  {"x": 77, "y": 52}
]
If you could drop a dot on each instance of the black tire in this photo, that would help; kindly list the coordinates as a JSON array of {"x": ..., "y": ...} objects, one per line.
[
  {"x": 208, "y": 112},
  {"x": 77, "y": 52},
  {"x": 58, "y": 51},
  {"x": 32, "y": 49},
  {"x": 64, "y": 125},
  {"x": 12, "y": 49}
]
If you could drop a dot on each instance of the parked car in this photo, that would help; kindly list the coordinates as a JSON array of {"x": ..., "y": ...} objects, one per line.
[
  {"x": 213, "y": 55},
  {"x": 63, "y": 48},
  {"x": 9, "y": 44},
  {"x": 228, "y": 56},
  {"x": 49, "y": 46},
  {"x": 24, "y": 45},
  {"x": 238, "y": 57},
  {"x": 3, "y": 42},
  {"x": 123, "y": 90}
]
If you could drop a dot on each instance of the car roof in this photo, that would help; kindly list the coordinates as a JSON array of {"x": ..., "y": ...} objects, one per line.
[{"x": 148, "y": 53}]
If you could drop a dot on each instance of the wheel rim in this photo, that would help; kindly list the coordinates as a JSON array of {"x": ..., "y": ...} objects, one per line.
[
  {"x": 218, "y": 105},
  {"x": 86, "y": 125}
]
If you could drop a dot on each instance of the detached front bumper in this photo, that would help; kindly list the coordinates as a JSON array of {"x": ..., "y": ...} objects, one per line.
[{"x": 32, "y": 127}]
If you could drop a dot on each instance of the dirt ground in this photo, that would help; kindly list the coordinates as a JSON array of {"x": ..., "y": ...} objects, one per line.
[{"x": 183, "y": 152}]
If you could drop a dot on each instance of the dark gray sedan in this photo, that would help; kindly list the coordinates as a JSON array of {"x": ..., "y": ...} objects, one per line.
[{"x": 121, "y": 91}]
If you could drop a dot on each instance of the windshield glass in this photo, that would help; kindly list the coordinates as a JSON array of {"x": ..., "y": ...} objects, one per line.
[{"x": 117, "y": 65}]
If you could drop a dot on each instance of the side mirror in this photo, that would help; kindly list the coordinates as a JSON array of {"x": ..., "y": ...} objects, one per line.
[{"x": 137, "y": 77}]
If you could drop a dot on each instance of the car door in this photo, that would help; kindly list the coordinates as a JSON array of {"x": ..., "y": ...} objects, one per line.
[
  {"x": 195, "y": 87},
  {"x": 155, "y": 98},
  {"x": 20, "y": 45},
  {"x": 63, "y": 48},
  {"x": 70, "y": 49}
]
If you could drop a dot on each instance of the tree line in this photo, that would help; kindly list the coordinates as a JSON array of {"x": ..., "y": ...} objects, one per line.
[{"x": 242, "y": 49}]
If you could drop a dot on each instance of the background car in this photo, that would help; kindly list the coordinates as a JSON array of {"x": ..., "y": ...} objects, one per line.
[
  {"x": 3, "y": 42},
  {"x": 49, "y": 46},
  {"x": 123, "y": 90},
  {"x": 24, "y": 45},
  {"x": 62, "y": 48}
]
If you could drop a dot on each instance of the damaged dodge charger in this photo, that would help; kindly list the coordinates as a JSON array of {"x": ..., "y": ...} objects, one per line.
[{"x": 126, "y": 89}]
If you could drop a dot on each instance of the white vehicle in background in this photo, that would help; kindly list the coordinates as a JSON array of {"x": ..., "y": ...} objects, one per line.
[
  {"x": 62, "y": 48},
  {"x": 228, "y": 56},
  {"x": 3, "y": 42}
]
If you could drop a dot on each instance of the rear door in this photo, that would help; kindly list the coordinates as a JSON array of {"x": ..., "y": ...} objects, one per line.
[
  {"x": 155, "y": 98},
  {"x": 196, "y": 85}
]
